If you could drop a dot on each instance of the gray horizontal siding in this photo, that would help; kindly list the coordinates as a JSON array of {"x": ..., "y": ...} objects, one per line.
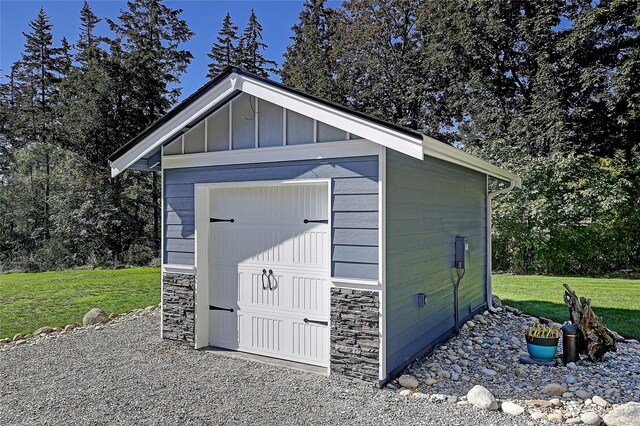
[
  {"x": 428, "y": 203},
  {"x": 354, "y": 207}
]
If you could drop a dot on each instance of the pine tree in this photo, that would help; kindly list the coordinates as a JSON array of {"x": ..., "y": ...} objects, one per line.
[
  {"x": 308, "y": 65},
  {"x": 38, "y": 74},
  {"x": 151, "y": 35},
  {"x": 223, "y": 53},
  {"x": 88, "y": 41},
  {"x": 250, "y": 56}
]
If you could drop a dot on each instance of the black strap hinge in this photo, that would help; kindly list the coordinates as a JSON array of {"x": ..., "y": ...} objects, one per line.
[
  {"x": 308, "y": 321},
  {"x": 218, "y": 308},
  {"x": 316, "y": 221},
  {"x": 215, "y": 219}
]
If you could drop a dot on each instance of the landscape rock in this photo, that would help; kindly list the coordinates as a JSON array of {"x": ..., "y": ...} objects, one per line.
[
  {"x": 554, "y": 389},
  {"x": 624, "y": 415},
  {"x": 94, "y": 316},
  {"x": 420, "y": 395},
  {"x": 555, "y": 417},
  {"x": 430, "y": 382},
  {"x": 408, "y": 381},
  {"x": 582, "y": 394},
  {"x": 512, "y": 408},
  {"x": 599, "y": 401},
  {"x": 480, "y": 397},
  {"x": 538, "y": 415},
  {"x": 539, "y": 403},
  {"x": 18, "y": 337},
  {"x": 590, "y": 418},
  {"x": 405, "y": 392},
  {"x": 43, "y": 330},
  {"x": 495, "y": 301}
]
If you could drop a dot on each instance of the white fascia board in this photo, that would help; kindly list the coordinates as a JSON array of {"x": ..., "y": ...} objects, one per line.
[
  {"x": 442, "y": 151},
  {"x": 172, "y": 128},
  {"x": 367, "y": 129}
]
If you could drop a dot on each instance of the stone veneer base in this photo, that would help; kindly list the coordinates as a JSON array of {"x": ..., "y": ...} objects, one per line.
[
  {"x": 178, "y": 302},
  {"x": 355, "y": 333}
]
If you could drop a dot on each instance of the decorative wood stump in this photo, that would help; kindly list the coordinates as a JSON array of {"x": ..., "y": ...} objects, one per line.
[{"x": 595, "y": 339}]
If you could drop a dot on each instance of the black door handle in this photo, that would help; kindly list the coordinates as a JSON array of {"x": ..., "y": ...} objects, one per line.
[
  {"x": 215, "y": 219},
  {"x": 307, "y": 321},
  {"x": 271, "y": 287},
  {"x": 264, "y": 272},
  {"x": 316, "y": 221},
  {"x": 218, "y": 308}
]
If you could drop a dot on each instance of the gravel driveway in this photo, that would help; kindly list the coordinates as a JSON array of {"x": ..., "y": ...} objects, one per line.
[{"x": 125, "y": 374}]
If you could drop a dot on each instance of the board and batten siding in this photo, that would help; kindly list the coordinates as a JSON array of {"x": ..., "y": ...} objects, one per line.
[
  {"x": 428, "y": 204},
  {"x": 354, "y": 207}
]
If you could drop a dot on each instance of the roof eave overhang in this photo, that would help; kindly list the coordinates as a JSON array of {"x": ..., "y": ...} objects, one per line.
[{"x": 437, "y": 149}]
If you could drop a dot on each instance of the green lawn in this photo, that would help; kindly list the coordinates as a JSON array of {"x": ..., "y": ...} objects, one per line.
[
  {"x": 616, "y": 301},
  {"x": 33, "y": 300}
]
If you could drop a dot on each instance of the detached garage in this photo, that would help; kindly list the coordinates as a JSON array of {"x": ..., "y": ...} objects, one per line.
[{"x": 298, "y": 229}]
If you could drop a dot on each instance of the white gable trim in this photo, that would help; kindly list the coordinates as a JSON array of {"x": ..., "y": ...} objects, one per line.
[
  {"x": 350, "y": 123},
  {"x": 173, "y": 127},
  {"x": 342, "y": 120}
]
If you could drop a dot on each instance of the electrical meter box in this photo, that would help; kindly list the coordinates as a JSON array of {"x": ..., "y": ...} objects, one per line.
[{"x": 462, "y": 248}]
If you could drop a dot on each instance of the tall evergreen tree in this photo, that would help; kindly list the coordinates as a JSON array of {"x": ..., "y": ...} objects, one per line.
[
  {"x": 88, "y": 40},
  {"x": 223, "y": 53},
  {"x": 151, "y": 35},
  {"x": 376, "y": 46},
  {"x": 38, "y": 74},
  {"x": 251, "y": 47},
  {"x": 308, "y": 63}
]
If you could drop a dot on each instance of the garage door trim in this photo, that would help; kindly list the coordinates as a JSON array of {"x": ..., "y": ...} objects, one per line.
[{"x": 202, "y": 206}]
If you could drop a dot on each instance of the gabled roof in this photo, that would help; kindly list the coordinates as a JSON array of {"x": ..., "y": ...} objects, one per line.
[{"x": 144, "y": 148}]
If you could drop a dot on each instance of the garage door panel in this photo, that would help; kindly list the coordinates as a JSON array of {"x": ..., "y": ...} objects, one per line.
[
  {"x": 252, "y": 293},
  {"x": 308, "y": 340},
  {"x": 260, "y": 334},
  {"x": 310, "y": 247},
  {"x": 269, "y": 233},
  {"x": 310, "y": 295}
]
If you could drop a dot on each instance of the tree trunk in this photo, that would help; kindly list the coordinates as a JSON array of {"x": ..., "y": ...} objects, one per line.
[{"x": 595, "y": 339}]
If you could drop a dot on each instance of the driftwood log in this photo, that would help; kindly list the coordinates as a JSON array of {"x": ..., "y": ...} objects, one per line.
[{"x": 595, "y": 339}]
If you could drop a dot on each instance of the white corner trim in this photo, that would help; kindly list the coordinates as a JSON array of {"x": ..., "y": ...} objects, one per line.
[
  {"x": 442, "y": 151},
  {"x": 407, "y": 144},
  {"x": 171, "y": 128},
  {"x": 382, "y": 258},
  {"x": 273, "y": 154},
  {"x": 201, "y": 267},
  {"x": 179, "y": 269}
]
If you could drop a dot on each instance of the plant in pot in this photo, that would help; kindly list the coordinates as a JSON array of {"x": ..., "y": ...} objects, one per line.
[{"x": 542, "y": 341}]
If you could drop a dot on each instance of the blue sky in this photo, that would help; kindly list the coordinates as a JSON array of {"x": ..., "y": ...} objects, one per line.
[{"x": 203, "y": 16}]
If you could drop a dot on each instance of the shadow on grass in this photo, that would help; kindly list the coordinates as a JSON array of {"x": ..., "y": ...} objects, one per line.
[{"x": 624, "y": 321}]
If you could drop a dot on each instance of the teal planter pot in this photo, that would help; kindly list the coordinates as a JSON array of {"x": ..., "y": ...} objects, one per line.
[{"x": 542, "y": 348}]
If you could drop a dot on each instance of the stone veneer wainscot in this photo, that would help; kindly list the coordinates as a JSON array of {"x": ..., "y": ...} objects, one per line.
[
  {"x": 178, "y": 315},
  {"x": 355, "y": 329}
]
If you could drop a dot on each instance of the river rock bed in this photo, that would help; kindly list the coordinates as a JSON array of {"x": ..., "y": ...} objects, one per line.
[{"x": 486, "y": 352}]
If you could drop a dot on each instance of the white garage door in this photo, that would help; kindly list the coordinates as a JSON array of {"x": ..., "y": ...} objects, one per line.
[{"x": 271, "y": 268}]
